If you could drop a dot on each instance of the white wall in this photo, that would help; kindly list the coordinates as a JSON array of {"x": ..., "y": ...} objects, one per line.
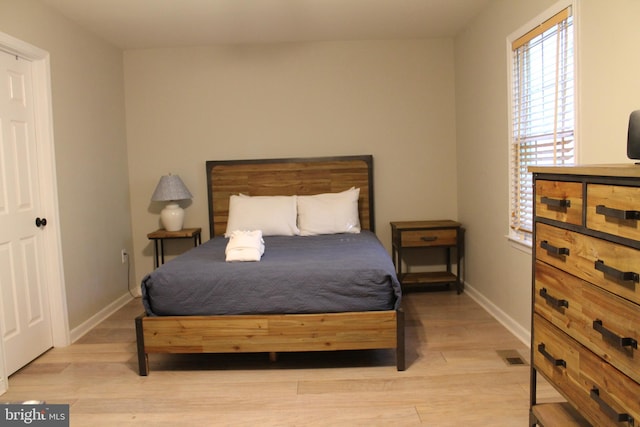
[
  {"x": 608, "y": 71},
  {"x": 609, "y": 77},
  {"x": 90, "y": 148},
  {"x": 391, "y": 99}
]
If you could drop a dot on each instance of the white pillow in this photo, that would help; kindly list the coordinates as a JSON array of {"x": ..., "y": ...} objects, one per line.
[
  {"x": 273, "y": 215},
  {"x": 329, "y": 213}
]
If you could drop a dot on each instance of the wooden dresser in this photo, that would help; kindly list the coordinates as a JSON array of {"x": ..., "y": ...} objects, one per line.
[{"x": 586, "y": 294}]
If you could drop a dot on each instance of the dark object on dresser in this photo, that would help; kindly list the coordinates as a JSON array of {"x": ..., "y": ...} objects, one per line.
[{"x": 633, "y": 137}]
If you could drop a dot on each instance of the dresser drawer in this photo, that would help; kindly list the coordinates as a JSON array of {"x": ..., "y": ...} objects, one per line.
[
  {"x": 614, "y": 209},
  {"x": 611, "y": 266},
  {"x": 438, "y": 237},
  {"x": 606, "y": 324},
  {"x": 603, "y": 394},
  {"x": 559, "y": 200}
]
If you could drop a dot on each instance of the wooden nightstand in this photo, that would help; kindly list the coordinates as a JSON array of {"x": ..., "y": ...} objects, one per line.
[
  {"x": 159, "y": 236},
  {"x": 445, "y": 234}
]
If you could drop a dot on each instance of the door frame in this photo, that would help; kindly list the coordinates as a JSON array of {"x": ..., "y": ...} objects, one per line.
[{"x": 52, "y": 243}]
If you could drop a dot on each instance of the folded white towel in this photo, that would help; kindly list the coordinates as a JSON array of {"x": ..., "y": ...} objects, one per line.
[{"x": 245, "y": 246}]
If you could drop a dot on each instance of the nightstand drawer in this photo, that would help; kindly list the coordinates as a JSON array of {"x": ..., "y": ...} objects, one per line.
[
  {"x": 608, "y": 325},
  {"x": 614, "y": 209},
  {"x": 559, "y": 200},
  {"x": 421, "y": 238},
  {"x": 602, "y": 393},
  {"x": 609, "y": 265}
]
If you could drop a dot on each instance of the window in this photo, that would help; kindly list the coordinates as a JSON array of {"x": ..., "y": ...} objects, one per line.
[{"x": 542, "y": 111}]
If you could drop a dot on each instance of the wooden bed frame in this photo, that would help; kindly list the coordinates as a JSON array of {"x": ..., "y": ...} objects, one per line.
[{"x": 287, "y": 332}]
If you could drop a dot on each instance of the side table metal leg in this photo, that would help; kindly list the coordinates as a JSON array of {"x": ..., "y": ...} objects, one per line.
[
  {"x": 156, "y": 263},
  {"x": 458, "y": 270}
]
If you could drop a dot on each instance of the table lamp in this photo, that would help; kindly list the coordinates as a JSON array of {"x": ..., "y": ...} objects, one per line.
[{"x": 171, "y": 189}]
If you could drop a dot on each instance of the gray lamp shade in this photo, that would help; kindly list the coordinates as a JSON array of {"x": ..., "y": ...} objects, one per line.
[{"x": 171, "y": 187}]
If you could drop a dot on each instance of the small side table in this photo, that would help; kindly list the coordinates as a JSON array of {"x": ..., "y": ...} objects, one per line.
[
  {"x": 445, "y": 234},
  {"x": 159, "y": 236}
]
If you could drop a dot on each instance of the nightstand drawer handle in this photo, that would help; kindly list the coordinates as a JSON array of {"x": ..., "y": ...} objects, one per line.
[
  {"x": 617, "y": 274},
  {"x": 548, "y": 356},
  {"x": 617, "y": 213},
  {"x": 556, "y": 203},
  {"x": 554, "y": 250},
  {"x": 555, "y": 302},
  {"x": 429, "y": 238},
  {"x": 613, "y": 338},
  {"x": 608, "y": 410}
]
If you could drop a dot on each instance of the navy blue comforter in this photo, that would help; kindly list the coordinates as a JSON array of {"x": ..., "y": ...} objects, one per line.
[{"x": 297, "y": 274}]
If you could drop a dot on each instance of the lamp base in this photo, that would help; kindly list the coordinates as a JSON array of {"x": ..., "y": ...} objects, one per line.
[{"x": 172, "y": 217}]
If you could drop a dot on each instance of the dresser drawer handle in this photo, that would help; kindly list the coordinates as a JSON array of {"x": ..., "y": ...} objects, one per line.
[
  {"x": 556, "y": 203},
  {"x": 613, "y": 338},
  {"x": 555, "y": 302},
  {"x": 608, "y": 410},
  {"x": 553, "y": 249},
  {"x": 617, "y": 274},
  {"x": 549, "y": 357},
  {"x": 617, "y": 213},
  {"x": 429, "y": 238}
]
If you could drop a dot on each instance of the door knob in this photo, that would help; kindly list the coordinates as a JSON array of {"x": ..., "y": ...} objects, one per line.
[{"x": 41, "y": 222}]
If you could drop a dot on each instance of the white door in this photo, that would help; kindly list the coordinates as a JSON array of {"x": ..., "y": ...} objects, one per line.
[{"x": 24, "y": 309}]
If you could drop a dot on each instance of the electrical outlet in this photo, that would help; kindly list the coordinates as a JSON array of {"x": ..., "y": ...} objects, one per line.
[{"x": 124, "y": 255}]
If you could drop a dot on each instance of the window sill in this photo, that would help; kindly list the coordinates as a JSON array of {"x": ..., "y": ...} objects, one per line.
[{"x": 519, "y": 243}]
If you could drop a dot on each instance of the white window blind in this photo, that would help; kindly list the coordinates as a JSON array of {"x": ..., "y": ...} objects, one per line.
[{"x": 542, "y": 111}]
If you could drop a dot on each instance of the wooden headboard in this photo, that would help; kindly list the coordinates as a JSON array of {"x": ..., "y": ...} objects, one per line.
[{"x": 286, "y": 177}]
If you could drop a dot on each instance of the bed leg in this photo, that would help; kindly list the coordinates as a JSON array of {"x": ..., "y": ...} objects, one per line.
[
  {"x": 400, "y": 350},
  {"x": 143, "y": 358}
]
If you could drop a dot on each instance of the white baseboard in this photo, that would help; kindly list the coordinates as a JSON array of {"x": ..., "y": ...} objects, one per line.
[
  {"x": 79, "y": 331},
  {"x": 515, "y": 328}
]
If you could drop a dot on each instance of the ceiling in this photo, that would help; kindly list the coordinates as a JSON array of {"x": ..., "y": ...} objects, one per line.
[{"x": 131, "y": 24}]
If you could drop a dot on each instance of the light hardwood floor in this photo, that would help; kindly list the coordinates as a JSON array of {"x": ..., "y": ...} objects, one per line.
[{"x": 455, "y": 377}]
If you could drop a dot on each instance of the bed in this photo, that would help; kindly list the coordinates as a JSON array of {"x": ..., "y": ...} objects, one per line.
[{"x": 319, "y": 313}]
